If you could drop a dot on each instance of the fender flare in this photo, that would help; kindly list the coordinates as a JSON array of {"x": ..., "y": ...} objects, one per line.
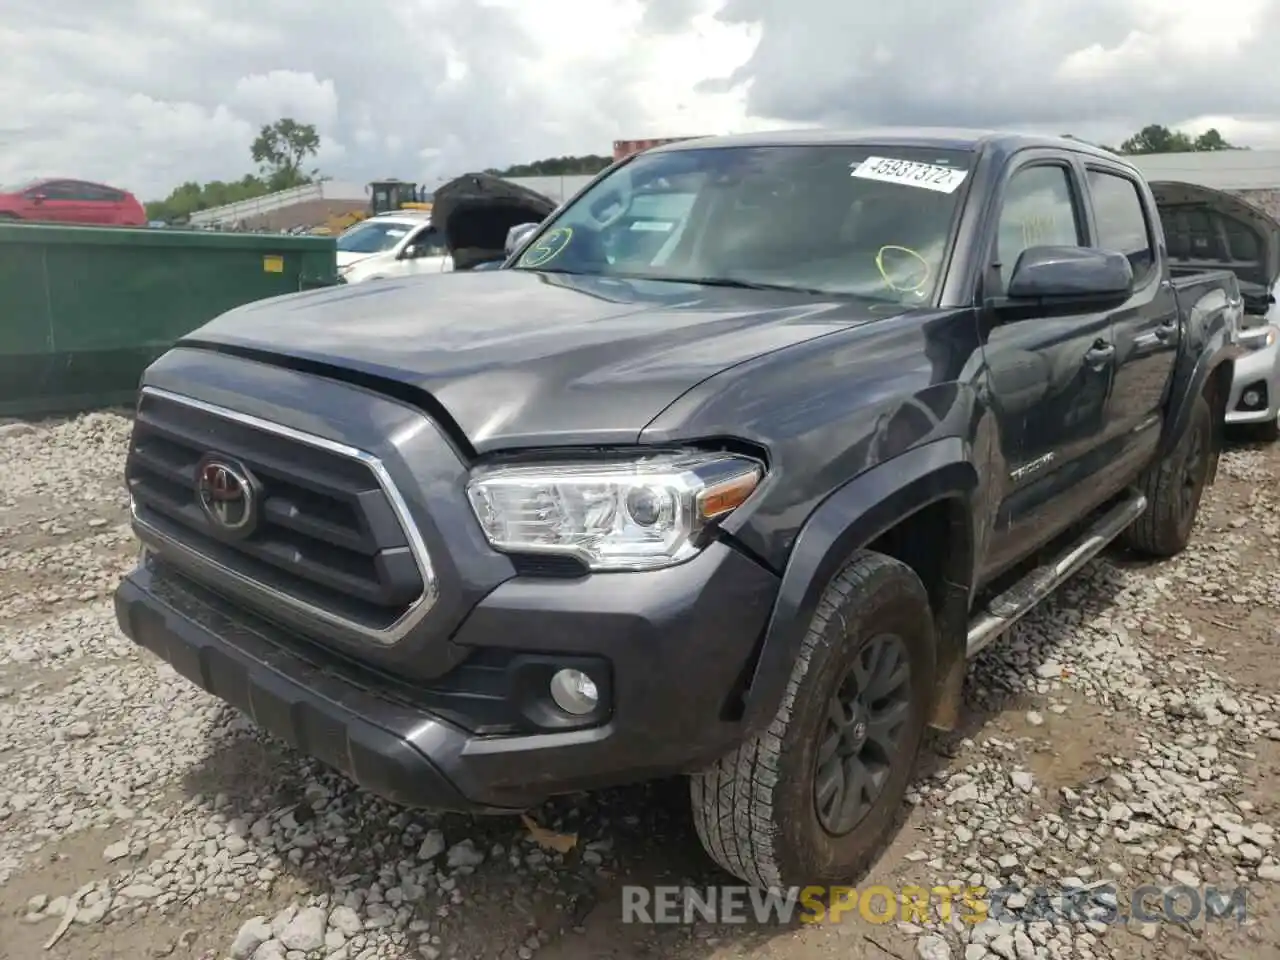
[
  {"x": 854, "y": 515},
  {"x": 1189, "y": 385}
]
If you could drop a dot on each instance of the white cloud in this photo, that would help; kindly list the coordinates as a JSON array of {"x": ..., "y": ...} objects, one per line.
[
  {"x": 165, "y": 91},
  {"x": 264, "y": 97}
]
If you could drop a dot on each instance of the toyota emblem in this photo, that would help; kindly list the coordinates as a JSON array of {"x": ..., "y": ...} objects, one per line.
[{"x": 226, "y": 496}]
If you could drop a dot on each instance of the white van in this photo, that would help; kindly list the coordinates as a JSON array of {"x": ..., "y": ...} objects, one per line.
[{"x": 397, "y": 244}]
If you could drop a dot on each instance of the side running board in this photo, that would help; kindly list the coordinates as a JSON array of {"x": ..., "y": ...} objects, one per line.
[{"x": 1011, "y": 606}]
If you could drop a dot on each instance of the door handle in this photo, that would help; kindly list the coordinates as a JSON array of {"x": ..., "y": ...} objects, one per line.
[
  {"x": 1099, "y": 354},
  {"x": 1167, "y": 329}
]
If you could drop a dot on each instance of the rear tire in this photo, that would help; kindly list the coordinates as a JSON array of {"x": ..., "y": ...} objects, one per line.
[
  {"x": 1174, "y": 486},
  {"x": 857, "y": 701}
]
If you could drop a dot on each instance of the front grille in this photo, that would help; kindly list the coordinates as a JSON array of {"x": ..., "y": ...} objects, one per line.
[{"x": 328, "y": 539}]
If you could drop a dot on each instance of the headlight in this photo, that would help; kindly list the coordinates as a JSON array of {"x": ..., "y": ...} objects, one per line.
[
  {"x": 1258, "y": 337},
  {"x": 636, "y": 514}
]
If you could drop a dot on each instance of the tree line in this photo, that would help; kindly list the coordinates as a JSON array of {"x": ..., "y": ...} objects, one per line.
[
  {"x": 283, "y": 149},
  {"x": 588, "y": 164},
  {"x": 1155, "y": 138}
]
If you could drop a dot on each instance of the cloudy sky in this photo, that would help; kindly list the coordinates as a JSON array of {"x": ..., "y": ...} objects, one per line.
[{"x": 149, "y": 93}]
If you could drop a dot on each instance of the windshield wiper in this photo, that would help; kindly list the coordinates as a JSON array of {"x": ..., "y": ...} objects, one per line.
[{"x": 732, "y": 282}]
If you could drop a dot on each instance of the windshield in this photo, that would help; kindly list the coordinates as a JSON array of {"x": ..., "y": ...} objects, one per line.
[
  {"x": 373, "y": 237},
  {"x": 858, "y": 220}
]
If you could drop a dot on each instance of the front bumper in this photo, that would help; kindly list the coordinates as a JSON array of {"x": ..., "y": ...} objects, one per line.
[
  {"x": 1257, "y": 370},
  {"x": 678, "y": 643}
]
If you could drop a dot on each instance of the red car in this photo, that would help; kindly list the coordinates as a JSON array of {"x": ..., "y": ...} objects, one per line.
[{"x": 71, "y": 201}]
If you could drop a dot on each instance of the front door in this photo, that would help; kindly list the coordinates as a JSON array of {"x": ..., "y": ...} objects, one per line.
[
  {"x": 56, "y": 202},
  {"x": 1050, "y": 372},
  {"x": 425, "y": 252}
]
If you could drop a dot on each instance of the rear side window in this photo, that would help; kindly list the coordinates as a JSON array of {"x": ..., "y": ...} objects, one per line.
[
  {"x": 1039, "y": 211},
  {"x": 1121, "y": 219},
  {"x": 98, "y": 193}
]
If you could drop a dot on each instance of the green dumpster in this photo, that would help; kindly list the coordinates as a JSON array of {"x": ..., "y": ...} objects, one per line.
[{"x": 84, "y": 310}]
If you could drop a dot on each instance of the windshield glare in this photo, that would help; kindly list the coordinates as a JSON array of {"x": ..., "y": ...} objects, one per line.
[
  {"x": 857, "y": 220},
  {"x": 372, "y": 237}
]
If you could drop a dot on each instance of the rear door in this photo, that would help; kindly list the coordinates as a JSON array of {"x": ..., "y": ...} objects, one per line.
[
  {"x": 102, "y": 204},
  {"x": 1050, "y": 371},
  {"x": 1146, "y": 326}
]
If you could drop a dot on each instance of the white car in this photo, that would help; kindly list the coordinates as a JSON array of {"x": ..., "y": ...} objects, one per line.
[
  {"x": 399, "y": 244},
  {"x": 1208, "y": 229}
]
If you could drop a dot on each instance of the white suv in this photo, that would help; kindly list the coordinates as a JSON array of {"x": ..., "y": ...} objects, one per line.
[{"x": 392, "y": 245}]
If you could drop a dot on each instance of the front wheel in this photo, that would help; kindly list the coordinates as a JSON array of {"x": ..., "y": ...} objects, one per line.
[
  {"x": 1174, "y": 486},
  {"x": 814, "y": 798}
]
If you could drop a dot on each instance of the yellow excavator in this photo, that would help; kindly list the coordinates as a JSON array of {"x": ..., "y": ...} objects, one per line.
[
  {"x": 385, "y": 196},
  {"x": 388, "y": 195}
]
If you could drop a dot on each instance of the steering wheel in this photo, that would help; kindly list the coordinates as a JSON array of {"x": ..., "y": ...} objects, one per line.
[{"x": 911, "y": 272}]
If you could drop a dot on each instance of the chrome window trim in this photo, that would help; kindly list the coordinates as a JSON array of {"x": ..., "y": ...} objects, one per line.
[{"x": 417, "y": 546}]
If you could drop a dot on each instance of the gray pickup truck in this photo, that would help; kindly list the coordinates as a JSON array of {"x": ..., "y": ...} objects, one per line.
[{"x": 726, "y": 472}]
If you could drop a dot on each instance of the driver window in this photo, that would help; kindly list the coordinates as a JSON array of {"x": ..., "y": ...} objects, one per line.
[
  {"x": 57, "y": 190},
  {"x": 1039, "y": 210},
  {"x": 428, "y": 243}
]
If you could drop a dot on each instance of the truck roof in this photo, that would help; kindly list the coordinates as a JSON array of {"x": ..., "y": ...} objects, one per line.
[{"x": 943, "y": 138}]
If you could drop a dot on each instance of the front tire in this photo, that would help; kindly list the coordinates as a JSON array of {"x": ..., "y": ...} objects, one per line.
[
  {"x": 850, "y": 726},
  {"x": 1174, "y": 487}
]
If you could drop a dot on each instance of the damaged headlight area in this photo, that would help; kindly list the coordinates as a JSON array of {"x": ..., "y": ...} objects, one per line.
[
  {"x": 637, "y": 513},
  {"x": 1255, "y": 338}
]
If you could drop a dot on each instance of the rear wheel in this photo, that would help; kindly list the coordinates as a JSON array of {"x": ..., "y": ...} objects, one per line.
[
  {"x": 815, "y": 797},
  {"x": 1174, "y": 486}
]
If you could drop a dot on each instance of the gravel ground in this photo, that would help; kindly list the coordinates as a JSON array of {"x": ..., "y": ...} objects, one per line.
[{"x": 1125, "y": 735}]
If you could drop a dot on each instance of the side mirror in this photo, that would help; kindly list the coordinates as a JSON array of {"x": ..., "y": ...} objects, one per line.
[
  {"x": 1079, "y": 273},
  {"x": 517, "y": 235},
  {"x": 409, "y": 252},
  {"x": 38, "y": 198}
]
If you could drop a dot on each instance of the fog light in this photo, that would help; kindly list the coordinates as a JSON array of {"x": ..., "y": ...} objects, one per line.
[
  {"x": 1252, "y": 398},
  {"x": 574, "y": 692}
]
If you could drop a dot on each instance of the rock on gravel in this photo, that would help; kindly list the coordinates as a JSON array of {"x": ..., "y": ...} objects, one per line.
[
  {"x": 254, "y": 933},
  {"x": 305, "y": 931}
]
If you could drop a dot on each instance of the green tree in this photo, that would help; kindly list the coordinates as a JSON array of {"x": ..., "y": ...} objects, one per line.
[
  {"x": 191, "y": 196},
  {"x": 281, "y": 149},
  {"x": 1211, "y": 139},
  {"x": 555, "y": 167},
  {"x": 1155, "y": 138}
]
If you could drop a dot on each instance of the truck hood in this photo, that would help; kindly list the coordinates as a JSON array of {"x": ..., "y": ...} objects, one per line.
[
  {"x": 1179, "y": 202},
  {"x": 521, "y": 358}
]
